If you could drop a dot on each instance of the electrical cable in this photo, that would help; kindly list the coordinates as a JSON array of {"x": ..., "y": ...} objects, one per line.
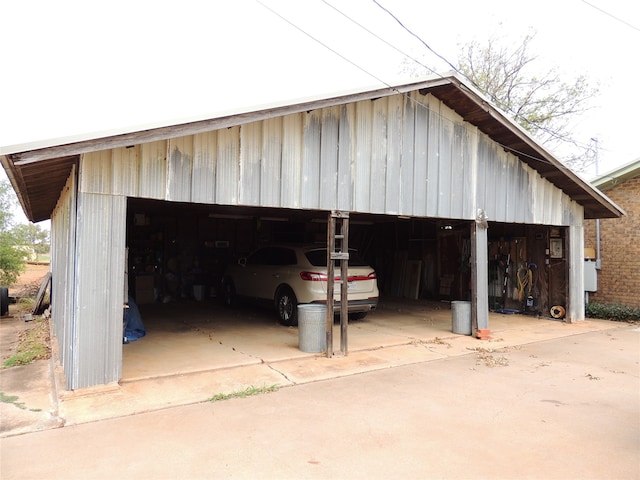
[
  {"x": 394, "y": 89},
  {"x": 612, "y": 16}
]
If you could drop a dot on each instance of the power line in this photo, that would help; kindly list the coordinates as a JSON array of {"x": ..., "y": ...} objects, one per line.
[
  {"x": 611, "y": 15},
  {"x": 392, "y": 88},
  {"x": 380, "y": 38},
  {"x": 494, "y": 99},
  {"x": 417, "y": 37}
]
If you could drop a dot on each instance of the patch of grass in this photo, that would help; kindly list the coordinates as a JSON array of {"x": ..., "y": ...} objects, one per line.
[
  {"x": 33, "y": 345},
  {"x": 26, "y": 303},
  {"x": 13, "y": 400},
  {"x": 247, "y": 392}
]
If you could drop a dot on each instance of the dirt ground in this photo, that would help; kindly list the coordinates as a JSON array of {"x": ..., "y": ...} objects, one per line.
[
  {"x": 29, "y": 282},
  {"x": 13, "y": 332}
]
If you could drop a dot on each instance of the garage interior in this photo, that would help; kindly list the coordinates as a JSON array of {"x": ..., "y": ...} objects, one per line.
[{"x": 177, "y": 254}]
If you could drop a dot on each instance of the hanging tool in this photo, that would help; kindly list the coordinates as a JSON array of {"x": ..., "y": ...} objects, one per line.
[{"x": 506, "y": 280}]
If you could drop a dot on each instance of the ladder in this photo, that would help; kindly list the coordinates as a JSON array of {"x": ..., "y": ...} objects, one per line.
[{"x": 337, "y": 251}]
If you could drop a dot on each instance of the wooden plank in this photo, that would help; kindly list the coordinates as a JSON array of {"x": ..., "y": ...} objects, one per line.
[{"x": 38, "y": 306}]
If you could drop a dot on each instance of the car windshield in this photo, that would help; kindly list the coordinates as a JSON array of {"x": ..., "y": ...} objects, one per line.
[{"x": 318, "y": 258}]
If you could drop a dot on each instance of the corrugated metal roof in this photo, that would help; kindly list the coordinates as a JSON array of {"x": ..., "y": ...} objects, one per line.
[{"x": 37, "y": 171}]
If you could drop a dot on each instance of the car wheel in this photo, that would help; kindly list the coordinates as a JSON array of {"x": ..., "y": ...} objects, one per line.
[
  {"x": 228, "y": 293},
  {"x": 4, "y": 301},
  {"x": 357, "y": 315},
  {"x": 287, "y": 306}
]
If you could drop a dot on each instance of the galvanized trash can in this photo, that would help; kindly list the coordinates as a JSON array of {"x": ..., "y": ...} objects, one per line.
[
  {"x": 461, "y": 317},
  {"x": 311, "y": 328}
]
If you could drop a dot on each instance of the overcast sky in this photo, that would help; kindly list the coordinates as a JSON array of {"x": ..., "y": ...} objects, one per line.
[{"x": 75, "y": 67}]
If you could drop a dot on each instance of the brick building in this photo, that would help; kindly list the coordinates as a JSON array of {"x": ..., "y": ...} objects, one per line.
[{"x": 619, "y": 256}]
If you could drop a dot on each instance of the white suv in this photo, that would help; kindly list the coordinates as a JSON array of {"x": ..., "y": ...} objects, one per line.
[{"x": 290, "y": 275}]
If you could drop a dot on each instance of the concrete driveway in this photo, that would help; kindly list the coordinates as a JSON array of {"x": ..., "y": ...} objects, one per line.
[
  {"x": 565, "y": 407},
  {"x": 194, "y": 351}
]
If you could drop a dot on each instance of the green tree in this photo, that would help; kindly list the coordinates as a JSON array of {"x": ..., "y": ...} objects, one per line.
[
  {"x": 12, "y": 260},
  {"x": 32, "y": 235},
  {"x": 544, "y": 104}
]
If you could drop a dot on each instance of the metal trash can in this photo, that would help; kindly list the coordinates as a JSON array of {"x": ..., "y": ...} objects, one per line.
[
  {"x": 312, "y": 328},
  {"x": 461, "y": 317}
]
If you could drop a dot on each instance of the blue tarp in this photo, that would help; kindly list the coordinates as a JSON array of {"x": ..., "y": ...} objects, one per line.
[{"x": 133, "y": 326}]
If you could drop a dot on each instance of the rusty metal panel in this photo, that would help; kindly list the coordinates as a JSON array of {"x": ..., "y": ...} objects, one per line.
[
  {"x": 153, "y": 170},
  {"x": 96, "y": 342},
  {"x": 271, "y": 172},
  {"x": 250, "y": 163},
  {"x": 179, "y": 169},
  {"x": 203, "y": 187},
  {"x": 228, "y": 170}
]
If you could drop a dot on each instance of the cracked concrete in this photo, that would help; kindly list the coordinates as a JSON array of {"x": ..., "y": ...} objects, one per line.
[{"x": 194, "y": 351}]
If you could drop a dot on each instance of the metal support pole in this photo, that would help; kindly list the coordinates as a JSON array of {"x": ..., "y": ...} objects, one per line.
[
  {"x": 344, "y": 286},
  {"x": 331, "y": 242}
]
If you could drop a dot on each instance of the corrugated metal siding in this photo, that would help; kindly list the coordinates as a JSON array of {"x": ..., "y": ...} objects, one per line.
[
  {"x": 63, "y": 257},
  {"x": 575, "y": 312},
  {"x": 392, "y": 155},
  {"x": 99, "y": 283},
  {"x": 153, "y": 170}
]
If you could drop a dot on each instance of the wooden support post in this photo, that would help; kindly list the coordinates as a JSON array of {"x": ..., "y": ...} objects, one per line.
[
  {"x": 341, "y": 254},
  {"x": 331, "y": 241}
]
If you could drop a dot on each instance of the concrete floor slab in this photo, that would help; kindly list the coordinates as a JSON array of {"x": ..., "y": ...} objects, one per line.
[{"x": 193, "y": 351}]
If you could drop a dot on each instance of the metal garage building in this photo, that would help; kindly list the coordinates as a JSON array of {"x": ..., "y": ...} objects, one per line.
[{"x": 432, "y": 158}]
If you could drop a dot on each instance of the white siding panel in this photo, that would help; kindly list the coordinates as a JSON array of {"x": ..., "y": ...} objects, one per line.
[
  {"x": 346, "y": 157},
  {"x": 409, "y": 160},
  {"x": 364, "y": 143},
  {"x": 394, "y": 193},
  {"x": 96, "y": 172},
  {"x": 311, "y": 160},
  {"x": 179, "y": 169},
  {"x": 270, "y": 168},
  {"x": 250, "y": 156},
  {"x": 419, "y": 125},
  {"x": 445, "y": 166},
  {"x": 291, "y": 173},
  {"x": 153, "y": 170},
  {"x": 378, "y": 185},
  {"x": 228, "y": 171},
  {"x": 63, "y": 257},
  {"x": 97, "y": 339},
  {"x": 329, "y": 156},
  {"x": 433, "y": 155},
  {"x": 390, "y": 155},
  {"x": 126, "y": 166},
  {"x": 203, "y": 187}
]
